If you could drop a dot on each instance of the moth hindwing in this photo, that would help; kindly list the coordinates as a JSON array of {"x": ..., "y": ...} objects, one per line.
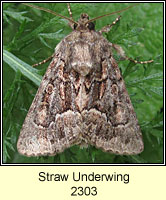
[{"x": 82, "y": 99}]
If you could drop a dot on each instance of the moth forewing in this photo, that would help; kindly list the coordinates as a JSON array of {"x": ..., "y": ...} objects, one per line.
[{"x": 81, "y": 99}]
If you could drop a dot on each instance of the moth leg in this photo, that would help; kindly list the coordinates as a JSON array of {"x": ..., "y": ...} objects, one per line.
[
  {"x": 121, "y": 52},
  {"x": 107, "y": 28},
  {"x": 44, "y": 61},
  {"x": 70, "y": 13}
]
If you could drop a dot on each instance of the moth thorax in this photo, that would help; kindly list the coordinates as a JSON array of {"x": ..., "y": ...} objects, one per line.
[
  {"x": 82, "y": 68},
  {"x": 81, "y": 60}
]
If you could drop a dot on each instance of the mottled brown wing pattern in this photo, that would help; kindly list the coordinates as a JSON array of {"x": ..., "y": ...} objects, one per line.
[
  {"x": 82, "y": 99},
  {"x": 111, "y": 123},
  {"x": 50, "y": 127}
]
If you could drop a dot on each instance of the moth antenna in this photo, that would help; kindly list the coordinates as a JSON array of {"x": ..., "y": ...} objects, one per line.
[
  {"x": 69, "y": 9},
  {"x": 50, "y": 11},
  {"x": 119, "y": 11}
]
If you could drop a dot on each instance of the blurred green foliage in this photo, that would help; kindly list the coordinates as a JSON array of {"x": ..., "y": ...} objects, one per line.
[{"x": 30, "y": 36}]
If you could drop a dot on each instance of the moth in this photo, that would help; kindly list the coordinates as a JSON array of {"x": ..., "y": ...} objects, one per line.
[{"x": 82, "y": 98}]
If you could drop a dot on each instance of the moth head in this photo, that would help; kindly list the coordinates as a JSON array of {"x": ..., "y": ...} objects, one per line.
[{"x": 84, "y": 24}]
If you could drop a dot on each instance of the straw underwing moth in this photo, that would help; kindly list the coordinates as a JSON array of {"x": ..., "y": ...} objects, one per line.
[{"x": 82, "y": 98}]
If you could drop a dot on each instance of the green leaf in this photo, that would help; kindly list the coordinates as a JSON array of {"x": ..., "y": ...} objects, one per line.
[
  {"x": 138, "y": 159},
  {"x": 17, "y": 64},
  {"x": 127, "y": 35},
  {"x": 35, "y": 33},
  {"x": 9, "y": 101},
  {"x": 11, "y": 96},
  {"x": 17, "y": 16}
]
